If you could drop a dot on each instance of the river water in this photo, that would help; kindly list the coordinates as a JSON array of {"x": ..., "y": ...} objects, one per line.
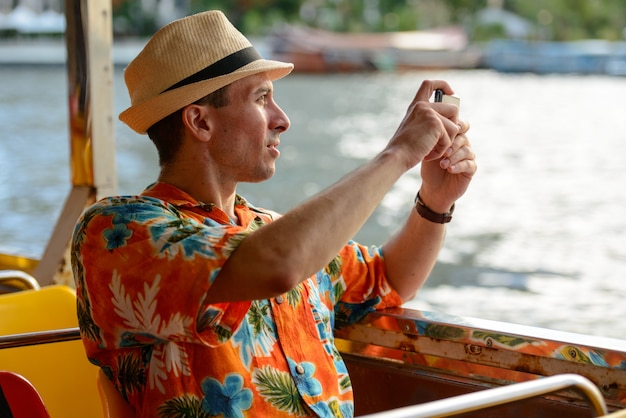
[{"x": 539, "y": 239}]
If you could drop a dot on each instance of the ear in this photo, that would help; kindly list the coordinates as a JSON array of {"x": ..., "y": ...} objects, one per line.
[{"x": 196, "y": 120}]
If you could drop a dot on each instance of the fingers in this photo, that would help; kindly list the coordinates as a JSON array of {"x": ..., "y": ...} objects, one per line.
[
  {"x": 447, "y": 114},
  {"x": 443, "y": 146},
  {"x": 439, "y": 149},
  {"x": 460, "y": 157},
  {"x": 428, "y": 87},
  {"x": 463, "y": 127}
]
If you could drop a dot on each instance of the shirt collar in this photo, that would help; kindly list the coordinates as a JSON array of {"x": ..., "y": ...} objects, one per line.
[
  {"x": 180, "y": 199},
  {"x": 177, "y": 197}
]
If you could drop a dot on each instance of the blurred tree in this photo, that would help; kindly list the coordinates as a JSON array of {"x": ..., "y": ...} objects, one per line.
[
  {"x": 252, "y": 16},
  {"x": 554, "y": 19},
  {"x": 574, "y": 19}
]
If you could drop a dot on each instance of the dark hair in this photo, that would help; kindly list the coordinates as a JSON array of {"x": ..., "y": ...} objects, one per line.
[{"x": 166, "y": 133}]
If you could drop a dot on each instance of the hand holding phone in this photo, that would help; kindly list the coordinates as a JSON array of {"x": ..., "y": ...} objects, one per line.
[{"x": 444, "y": 98}]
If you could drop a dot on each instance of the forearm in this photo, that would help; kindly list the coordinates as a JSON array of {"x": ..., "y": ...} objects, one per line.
[
  {"x": 313, "y": 233},
  {"x": 279, "y": 255},
  {"x": 410, "y": 255}
]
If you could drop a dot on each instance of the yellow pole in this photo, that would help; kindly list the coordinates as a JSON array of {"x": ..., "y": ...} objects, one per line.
[{"x": 89, "y": 41}]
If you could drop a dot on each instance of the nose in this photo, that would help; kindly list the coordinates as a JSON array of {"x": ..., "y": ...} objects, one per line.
[{"x": 280, "y": 120}]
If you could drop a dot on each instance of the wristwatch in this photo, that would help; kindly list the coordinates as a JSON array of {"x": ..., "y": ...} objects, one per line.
[{"x": 430, "y": 215}]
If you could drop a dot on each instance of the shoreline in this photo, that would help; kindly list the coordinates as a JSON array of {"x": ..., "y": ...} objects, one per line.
[
  {"x": 52, "y": 51},
  {"x": 44, "y": 51}
]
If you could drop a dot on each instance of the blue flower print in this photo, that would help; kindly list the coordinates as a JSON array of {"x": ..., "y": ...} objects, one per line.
[
  {"x": 228, "y": 399},
  {"x": 117, "y": 236},
  {"x": 334, "y": 408},
  {"x": 127, "y": 209},
  {"x": 349, "y": 313},
  {"x": 182, "y": 235},
  {"x": 306, "y": 383}
]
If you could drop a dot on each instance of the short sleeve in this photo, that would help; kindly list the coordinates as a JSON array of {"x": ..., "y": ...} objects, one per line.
[
  {"x": 359, "y": 283},
  {"x": 143, "y": 270}
]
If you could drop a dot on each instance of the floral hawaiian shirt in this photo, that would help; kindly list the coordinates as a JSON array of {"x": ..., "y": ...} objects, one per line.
[{"x": 143, "y": 265}]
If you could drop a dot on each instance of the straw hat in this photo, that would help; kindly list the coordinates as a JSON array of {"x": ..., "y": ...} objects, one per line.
[{"x": 186, "y": 60}]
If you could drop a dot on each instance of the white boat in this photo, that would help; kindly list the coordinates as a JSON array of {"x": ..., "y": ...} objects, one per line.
[{"x": 579, "y": 57}]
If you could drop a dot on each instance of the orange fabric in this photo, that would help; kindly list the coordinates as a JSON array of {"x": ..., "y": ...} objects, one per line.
[{"x": 143, "y": 266}]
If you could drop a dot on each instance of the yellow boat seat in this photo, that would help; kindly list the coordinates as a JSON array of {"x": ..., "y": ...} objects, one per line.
[
  {"x": 113, "y": 404},
  {"x": 60, "y": 371},
  {"x": 19, "y": 398}
]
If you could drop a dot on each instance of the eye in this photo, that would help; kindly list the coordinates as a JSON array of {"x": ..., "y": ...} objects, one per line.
[{"x": 262, "y": 98}]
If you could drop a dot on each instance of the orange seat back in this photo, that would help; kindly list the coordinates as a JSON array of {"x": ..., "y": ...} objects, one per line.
[{"x": 113, "y": 404}]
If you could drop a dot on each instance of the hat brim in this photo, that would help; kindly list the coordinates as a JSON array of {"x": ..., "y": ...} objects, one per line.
[{"x": 141, "y": 116}]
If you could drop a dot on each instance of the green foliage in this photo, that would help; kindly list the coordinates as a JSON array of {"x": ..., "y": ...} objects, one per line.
[
  {"x": 277, "y": 388},
  {"x": 252, "y": 17},
  {"x": 185, "y": 406},
  {"x": 551, "y": 19},
  {"x": 482, "y": 33},
  {"x": 574, "y": 19}
]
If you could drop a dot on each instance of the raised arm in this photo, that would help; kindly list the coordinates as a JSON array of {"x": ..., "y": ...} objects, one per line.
[
  {"x": 280, "y": 255},
  {"x": 411, "y": 254}
]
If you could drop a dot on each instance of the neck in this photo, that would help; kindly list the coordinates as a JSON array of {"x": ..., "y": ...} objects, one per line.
[{"x": 204, "y": 189}]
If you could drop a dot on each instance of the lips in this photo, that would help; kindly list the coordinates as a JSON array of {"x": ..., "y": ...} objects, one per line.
[{"x": 273, "y": 147}]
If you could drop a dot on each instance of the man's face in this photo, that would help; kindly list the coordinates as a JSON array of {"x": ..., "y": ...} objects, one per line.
[{"x": 245, "y": 133}]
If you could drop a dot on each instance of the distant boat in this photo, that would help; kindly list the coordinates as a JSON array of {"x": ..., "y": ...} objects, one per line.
[
  {"x": 319, "y": 51},
  {"x": 580, "y": 57}
]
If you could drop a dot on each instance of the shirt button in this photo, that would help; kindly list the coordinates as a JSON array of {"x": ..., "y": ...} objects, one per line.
[
  {"x": 300, "y": 369},
  {"x": 279, "y": 299}
]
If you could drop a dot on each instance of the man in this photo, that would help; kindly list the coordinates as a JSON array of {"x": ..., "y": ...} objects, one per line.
[{"x": 195, "y": 302}]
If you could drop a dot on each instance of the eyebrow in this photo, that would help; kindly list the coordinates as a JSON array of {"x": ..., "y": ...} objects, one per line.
[{"x": 264, "y": 90}]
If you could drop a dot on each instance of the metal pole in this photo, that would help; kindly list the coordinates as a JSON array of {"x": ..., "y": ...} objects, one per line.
[{"x": 39, "y": 337}]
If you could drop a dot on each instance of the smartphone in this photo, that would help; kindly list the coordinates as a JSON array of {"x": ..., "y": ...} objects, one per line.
[{"x": 444, "y": 98}]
